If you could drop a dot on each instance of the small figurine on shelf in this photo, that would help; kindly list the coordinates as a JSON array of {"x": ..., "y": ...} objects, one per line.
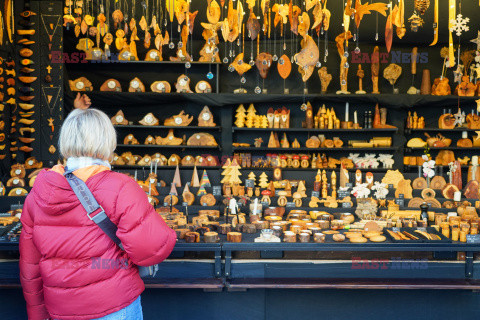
[
  {"x": 375, "y": 67},
  {"x": 263, "y": 181},
  {"x": 325, "y": 78},
  {"x": 195, "y": 182},
  {"x": 252, "y": 176},
  {"x": 258, "y": 142},
  {"x": 240, "y": 116},
  {"x": 360, "y": 75}
]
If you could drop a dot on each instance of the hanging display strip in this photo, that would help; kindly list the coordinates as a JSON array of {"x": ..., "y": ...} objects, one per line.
[
  {"x": 28, "y": 57},
  {"x": 51, "y": 75}
]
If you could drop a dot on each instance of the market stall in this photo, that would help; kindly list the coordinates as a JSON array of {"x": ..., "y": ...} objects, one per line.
[{"x": 292, "y": 145}]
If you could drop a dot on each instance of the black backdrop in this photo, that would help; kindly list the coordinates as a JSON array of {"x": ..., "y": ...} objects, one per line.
[{"x": 274, "y": 84}]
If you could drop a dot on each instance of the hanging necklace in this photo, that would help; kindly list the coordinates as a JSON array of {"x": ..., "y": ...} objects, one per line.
[
  {"x": 49, "y": 97},
  {"x": 50, "y": 35}
]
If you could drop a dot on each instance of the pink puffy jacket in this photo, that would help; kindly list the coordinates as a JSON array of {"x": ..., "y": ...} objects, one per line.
[{"x": 69, "y": 268}]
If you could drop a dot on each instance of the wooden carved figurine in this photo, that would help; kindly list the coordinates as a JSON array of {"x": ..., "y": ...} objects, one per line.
[
  {"x": 360, "y": 75},
  {"x": 205, "y": 118},
  {"x": 340, "y": 40},
  {"x": 325, "y": 78},
  {"x": 375, "y": 67}
]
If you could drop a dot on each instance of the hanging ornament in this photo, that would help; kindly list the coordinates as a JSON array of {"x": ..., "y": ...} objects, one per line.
[{"x": 459, "y": 25}]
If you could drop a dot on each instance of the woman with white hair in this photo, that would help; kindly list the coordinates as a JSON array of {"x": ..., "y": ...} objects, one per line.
[{"x": 69, "y": 267}]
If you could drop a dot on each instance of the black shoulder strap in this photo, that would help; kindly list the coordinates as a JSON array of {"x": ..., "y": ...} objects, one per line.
[{"x": 91, "y": 206}]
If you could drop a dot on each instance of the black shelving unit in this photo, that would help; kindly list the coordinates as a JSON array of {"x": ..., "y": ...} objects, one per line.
[
  {"x": 294, "y": 150},
  {"x": 156, "y": 146},
  {"x": 355, "y": 131},
  {"x": 135, "y": 126}
]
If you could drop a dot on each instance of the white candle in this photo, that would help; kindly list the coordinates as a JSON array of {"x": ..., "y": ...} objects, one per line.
[
  {"x": 233, "y": 206},
  {"x": 346, "y": 111},
  {"x": 135, "y": 175},
  {"x": 464, "y": 134},
  {"x": 355, "y": 117},
  {"x": 475, "y": 161},
  {"x": 255, "y": 206},
  {"x": 457, "y": 196}
]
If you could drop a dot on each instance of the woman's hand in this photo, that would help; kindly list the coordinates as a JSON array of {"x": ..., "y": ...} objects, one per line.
[{"x": 82, "y": 101}]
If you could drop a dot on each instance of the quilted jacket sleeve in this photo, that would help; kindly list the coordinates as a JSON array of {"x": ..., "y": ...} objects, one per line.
[
  {"x": 32, "y": 283},
  {"x": 144, "y": 234}
]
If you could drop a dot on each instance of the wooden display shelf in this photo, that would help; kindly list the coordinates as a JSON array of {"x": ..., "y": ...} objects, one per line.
[
  {"x": 409, "y": 149},
  {"x": 139, "y": 126},
  {"x": 295, "y": 150},
  {"x": 315, "y": 170},
  {"x": 316, "y": 130},
  {"x": 439, "y": 130},
  {"x": 409, "y": 167},
  {"x": 127, "y": 167},
  {"x": 165, "y": 147},
  {"x": 355, "y": 284}
]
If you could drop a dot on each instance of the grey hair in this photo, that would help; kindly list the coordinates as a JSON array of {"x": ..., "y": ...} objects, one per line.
[{"x": 87, "y": 133}]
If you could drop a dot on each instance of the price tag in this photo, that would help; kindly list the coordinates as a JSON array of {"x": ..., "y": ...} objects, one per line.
[
  {"x": 290, "y": 205},
  {"x": 401, "y": 196},
  {"x": 390, "y": 186},
  {"x": 217, "y": 190},
  {"x": 343, "y": 194},
  {"x": 422, "y": 229},
  {"x": 16, "y": 206},
  {"x": 265, "y": 204},
  {"x": 346, "y": 205},
  {"x": 316, "y": 194},
  {"x": 473, "y": 238},
  {"x": 276, "y": 193},
  {"x": 204, "y": 205},
  {"x": 348, "y": 185},
  {"x": 249, "y": 183},
  {"x": 396, "y": 229},
  {"x": 400, "y": 202}
]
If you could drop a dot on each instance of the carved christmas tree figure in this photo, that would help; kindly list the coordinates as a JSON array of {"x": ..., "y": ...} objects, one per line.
[
  {"x": 240, "y": 116},
  {"x": 252, "y": 176},
  {"x": 205, "y": 182},
  {"x": 176, "y": 178},
  {"x": 251, "y": 115},
  {"x": 195, "y": 183},
  {"x": 226, "y": 171},
  {"x": 201, "y": 191},
  {"x": 235, "y": 173},
  {"x": 263, "y": 181},
  {"x": 264, "y": 122},
  {"x": 257, "y": 122}
]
